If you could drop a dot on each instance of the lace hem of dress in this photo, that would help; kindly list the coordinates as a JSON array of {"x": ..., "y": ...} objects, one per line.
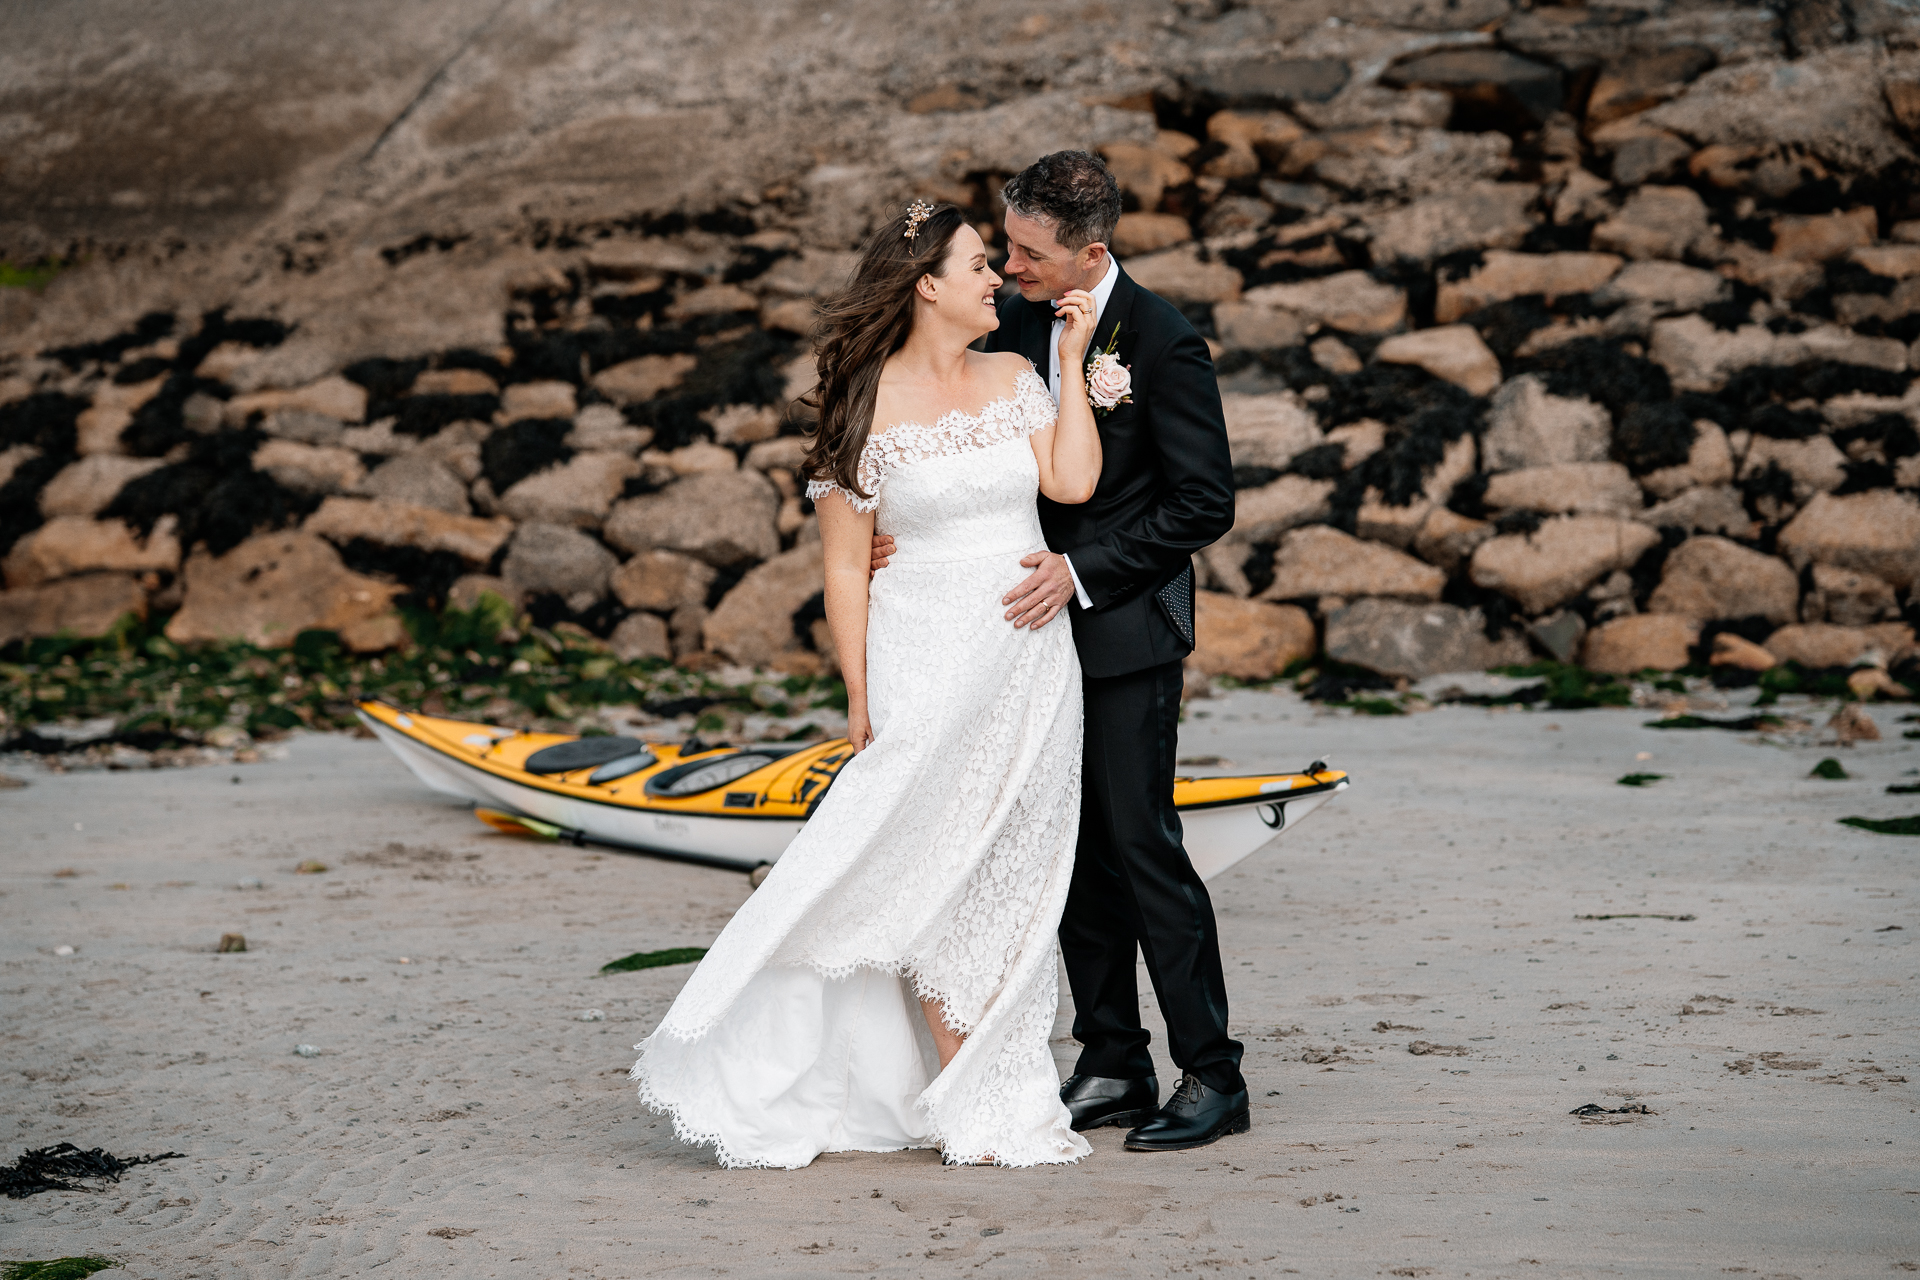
[
  {"x": 922, "y": 990},
  {"x": 1027, "y": 408},
  {"x": 659, "y": 1106}
]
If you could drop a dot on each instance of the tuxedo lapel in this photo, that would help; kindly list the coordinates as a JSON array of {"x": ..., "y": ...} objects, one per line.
[
  {"x": 1118, "y": 318},
  {"x": 1036, "y": 326}
]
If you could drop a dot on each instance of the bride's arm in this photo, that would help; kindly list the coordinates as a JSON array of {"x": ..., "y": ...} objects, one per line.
[
  {"x": 1069, "y": 454},
  {"x": 846, "y": 539}
]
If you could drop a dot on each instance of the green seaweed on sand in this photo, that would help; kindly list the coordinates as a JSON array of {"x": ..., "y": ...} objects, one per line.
[
  {"x": 654, "y": 959},
  {"x": 1909, "y": 826},
  {"x": 1830, "y": 769},
  {"x": 1639, "y": 779},
  {"x": 1570, "y": 687},
  {"x": 1745, "y": 724},
  {"x": 55, "y": 1269},
  {"x": 1904, "y": 789},
  {"x": 1372, "y": 706}
]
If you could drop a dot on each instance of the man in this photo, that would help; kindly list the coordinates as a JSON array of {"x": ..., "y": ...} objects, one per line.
[{"x": 1124, "y": 558}]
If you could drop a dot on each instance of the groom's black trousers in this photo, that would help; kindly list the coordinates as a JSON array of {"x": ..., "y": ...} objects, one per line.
[{"x": 1136, "y": 892}]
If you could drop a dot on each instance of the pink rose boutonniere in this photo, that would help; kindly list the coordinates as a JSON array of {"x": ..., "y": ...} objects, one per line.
[{"x": 1109, "y": 383}]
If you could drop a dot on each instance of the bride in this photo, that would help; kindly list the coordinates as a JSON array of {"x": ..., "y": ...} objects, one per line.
[{"x": 893, "y": 982}]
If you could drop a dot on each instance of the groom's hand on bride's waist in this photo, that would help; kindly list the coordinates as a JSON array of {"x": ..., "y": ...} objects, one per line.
[
  {"x": 882, "y": 549},
  {"x": 1039, "y": 599}
]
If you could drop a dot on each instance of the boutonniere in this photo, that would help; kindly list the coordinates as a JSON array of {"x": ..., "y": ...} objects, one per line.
[{"x": 1109, "y": 383}]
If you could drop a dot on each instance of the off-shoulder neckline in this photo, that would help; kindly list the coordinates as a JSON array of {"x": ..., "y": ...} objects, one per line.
[{"x": 952, "y": 416}]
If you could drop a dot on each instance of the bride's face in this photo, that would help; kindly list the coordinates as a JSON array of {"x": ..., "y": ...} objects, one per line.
[{"x": 964, "y": 294}]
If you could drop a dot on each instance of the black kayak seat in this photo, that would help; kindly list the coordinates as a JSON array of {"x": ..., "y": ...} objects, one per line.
[{"x": 584, "y": 753}]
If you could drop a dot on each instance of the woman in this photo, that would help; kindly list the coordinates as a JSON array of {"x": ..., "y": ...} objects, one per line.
[{"x": 892, "y": 984}]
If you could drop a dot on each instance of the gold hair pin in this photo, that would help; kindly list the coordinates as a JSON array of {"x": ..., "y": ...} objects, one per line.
[{"x": 917, "y": 212}]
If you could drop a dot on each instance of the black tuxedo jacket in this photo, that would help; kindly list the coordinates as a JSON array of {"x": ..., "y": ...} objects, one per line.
[{"x": 1166, "y": 481}]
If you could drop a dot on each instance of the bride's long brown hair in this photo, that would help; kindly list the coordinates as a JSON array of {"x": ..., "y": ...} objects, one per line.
[{"x": 860, "y": 327}]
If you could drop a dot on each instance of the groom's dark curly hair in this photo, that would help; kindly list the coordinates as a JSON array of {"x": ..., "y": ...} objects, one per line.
[{"x": 1070, "y": 191}]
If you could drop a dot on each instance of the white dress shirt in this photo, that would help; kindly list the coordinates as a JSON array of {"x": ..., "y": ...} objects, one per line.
[{"x": 1101, "y": 291}]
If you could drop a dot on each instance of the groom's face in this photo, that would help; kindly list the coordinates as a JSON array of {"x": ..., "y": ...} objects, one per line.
[{"x": 1042, "y": 266}]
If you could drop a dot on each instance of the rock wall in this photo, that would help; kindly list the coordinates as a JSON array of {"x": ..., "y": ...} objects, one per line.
[{"x": 1584, "y": 333}]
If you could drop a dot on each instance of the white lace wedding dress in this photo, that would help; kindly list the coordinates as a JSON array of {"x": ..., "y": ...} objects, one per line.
[{"x": 937, "y": 864}]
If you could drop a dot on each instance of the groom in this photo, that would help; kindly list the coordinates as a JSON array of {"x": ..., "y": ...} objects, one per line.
[{"x": 1125, "y": 560}]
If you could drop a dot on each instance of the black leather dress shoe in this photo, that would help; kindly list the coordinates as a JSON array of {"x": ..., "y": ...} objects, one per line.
[
  {"x": 1094, "y": 1101},
  {"x": 1194, "y": 1116}
]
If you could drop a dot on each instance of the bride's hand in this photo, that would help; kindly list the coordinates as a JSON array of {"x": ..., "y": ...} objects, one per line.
[
  {"x": 859, "y": 729},
  {"x": 1076, "y": 308}
]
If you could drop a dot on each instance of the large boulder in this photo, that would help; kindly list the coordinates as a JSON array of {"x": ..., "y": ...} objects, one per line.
[
  {"x": 84, "y": 488},
  {"x": 68, "y": 545},
  {"x": 1322, "y": 561},
  {"x": 1816, "y": 463},
  {"x": 641, "y": 635},
  {"x": 662, "y": 581},
  {"x": 1264, "y": 513},
  {"x": 1412, "y": 641},
  {"x": 1711, "y": 509},
  {"x": 1247, "y": 639},
  {"x": 1454, "y": 353},
  {"x": 398, "y": 524},
  {"x": 1249, "y": 326},
  {"x": 754, "y": 621},
  {"x": 545, "y": 399},
  {"x": 1447, "y": 538},
  {"x": 332, "y": 396},
  {"x": 1268, "y": 430},
  {"x": 643, "y": 378},
  {"x": 1876, "y": 532},
  {"x": 1528, "y": 427},
  {"x": 1701, "y": 357},
  {"x": 1478, "y": 215},
  {"x": 1502, "y": 275},
  {"x": 1180, "y": 276},
  {"x": 725, "y": 518},
  {"x": 272, "y": 587},
  {"x": 310, "y": 469},
  {"x": 1139, "y": 233},
  {"x": 84, "y": 606},
  {"x": 579, "y": 492},
  {"x": 1847, "y": 598},
  {"x": 1663, "y": 286},
  {"x": 1349, "y": 300},
  {"x": 101, "y": 424},
  {"x": 1709, "y": 578},
  {"x": 1656, "y": 222},
  {"x": 560, "y": 560},
  {"x": 1822, "y": 644},
  {"x": 1560, "y": 559},
  {"x": 1639, "y": 642},
  {"x": 1709, "y": 462},
  {"x": 1602, "y": 488},
  {"x": 417, "y": 480}
]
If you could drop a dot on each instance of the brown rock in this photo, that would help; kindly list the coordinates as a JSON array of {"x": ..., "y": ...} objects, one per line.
[
  {"x": 1248, "y": 639},
  {"x": 306, "y": 468},
  {"x": 1456, "y": 464},
  {"x": 1379, "y": 521},
  {"x": 662, "y": 581},
  {"x": 1711, "y": 509},
  {"x": 743, "y": 423},
  {"x": 1246, "y": 326},
  {"x": 713, "y": 300},
  {"x": 1179, "y": 276},
  {"x": 1560, "y": 559},
  {"x": 1447, "y": 539},
  {"x": 812, "y": 274},
  {"x": 579, "y": 492},
  {"x": 1413, "y": 641},
  {"x": 784, "y": 452},
  {"x": 1639, "y": 642},
  {"x": 1700, "y": 357},
  {"x": 1784, "y": 278},
  {"x": 1335, "y": 356},
  {"x": 1709, "y": 462},
  {"x": 559, "y": 560},
  {"x": 84, "y": 606},
  {"x": 68, "y": 545},
  {"x": 100, "y": 424},
  {"x": 1358, "y": 440},
  {"x": 1452, "y": 352},
  {"x": 754, "y": 621},
  {"x": 1653, "y": 156},
  {"x": 1729, "y": 650},
  {"x": 1477, "y": 215},
  {"x": 1268, "y": 430},
  {"x": 537, "y": 400},
  {"x": 1145, "y": 171},
  {"x": 1602, "y": 488},
  {"x": 600, "y": 427},
  {"x": 1264, "y": 513},
  {"x": 1664, "y": 286},
  {"x": 1847, "y": 598},
  {"x": 1656, "y": 222},
  {"x": 11, "y": 459},
  {"x": 1139, "y": 233},
  {"x": 1851, "y": 724},
  {"x": 1641, "y": 80},
  {"x": 1822, "y": 644},
  {"x": 1816, "y": 464},
  {"x": 790, "y": 315},
  {"x": 396, "y": 524},
  {"x": 84, "y": 488},
  {"x": 1502, "y": 275},
  {"x": 1824, "y": 237},
  {"x": 332, "y": 396},
  {"x": 641, "y": 635},
  {"x": 725, "y": 518},
  {"x": 1351, "y": 300},
  {"x": 272, "y": 587},
  {"x": 1832, "y": 342},
  {"x": 1322, "y": 561},
  {"x": 376, "y": 635},
  {"x": 693, "y": 459},
  {"x": 1894, "y": 261},
  {"x": 1876, "y": 532},
  {"x": 454, "y": 382},
  {"x": 418, "y": 480},
  {"x": 467, "y": 589},
  {"x": 1709, "y": 578},
  {"x": 643, "y": 378},
  {"x": 1527, "y": 427}
]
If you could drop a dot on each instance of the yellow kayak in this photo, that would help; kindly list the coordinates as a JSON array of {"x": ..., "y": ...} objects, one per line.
[{"x": 740, "y": 806}]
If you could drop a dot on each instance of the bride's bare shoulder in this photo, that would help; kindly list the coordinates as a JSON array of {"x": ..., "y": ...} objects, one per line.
[{"x": 1005, "y": 366}]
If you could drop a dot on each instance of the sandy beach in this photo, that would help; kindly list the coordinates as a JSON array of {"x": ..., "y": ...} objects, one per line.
[{"x": 460, "y": 1117}]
